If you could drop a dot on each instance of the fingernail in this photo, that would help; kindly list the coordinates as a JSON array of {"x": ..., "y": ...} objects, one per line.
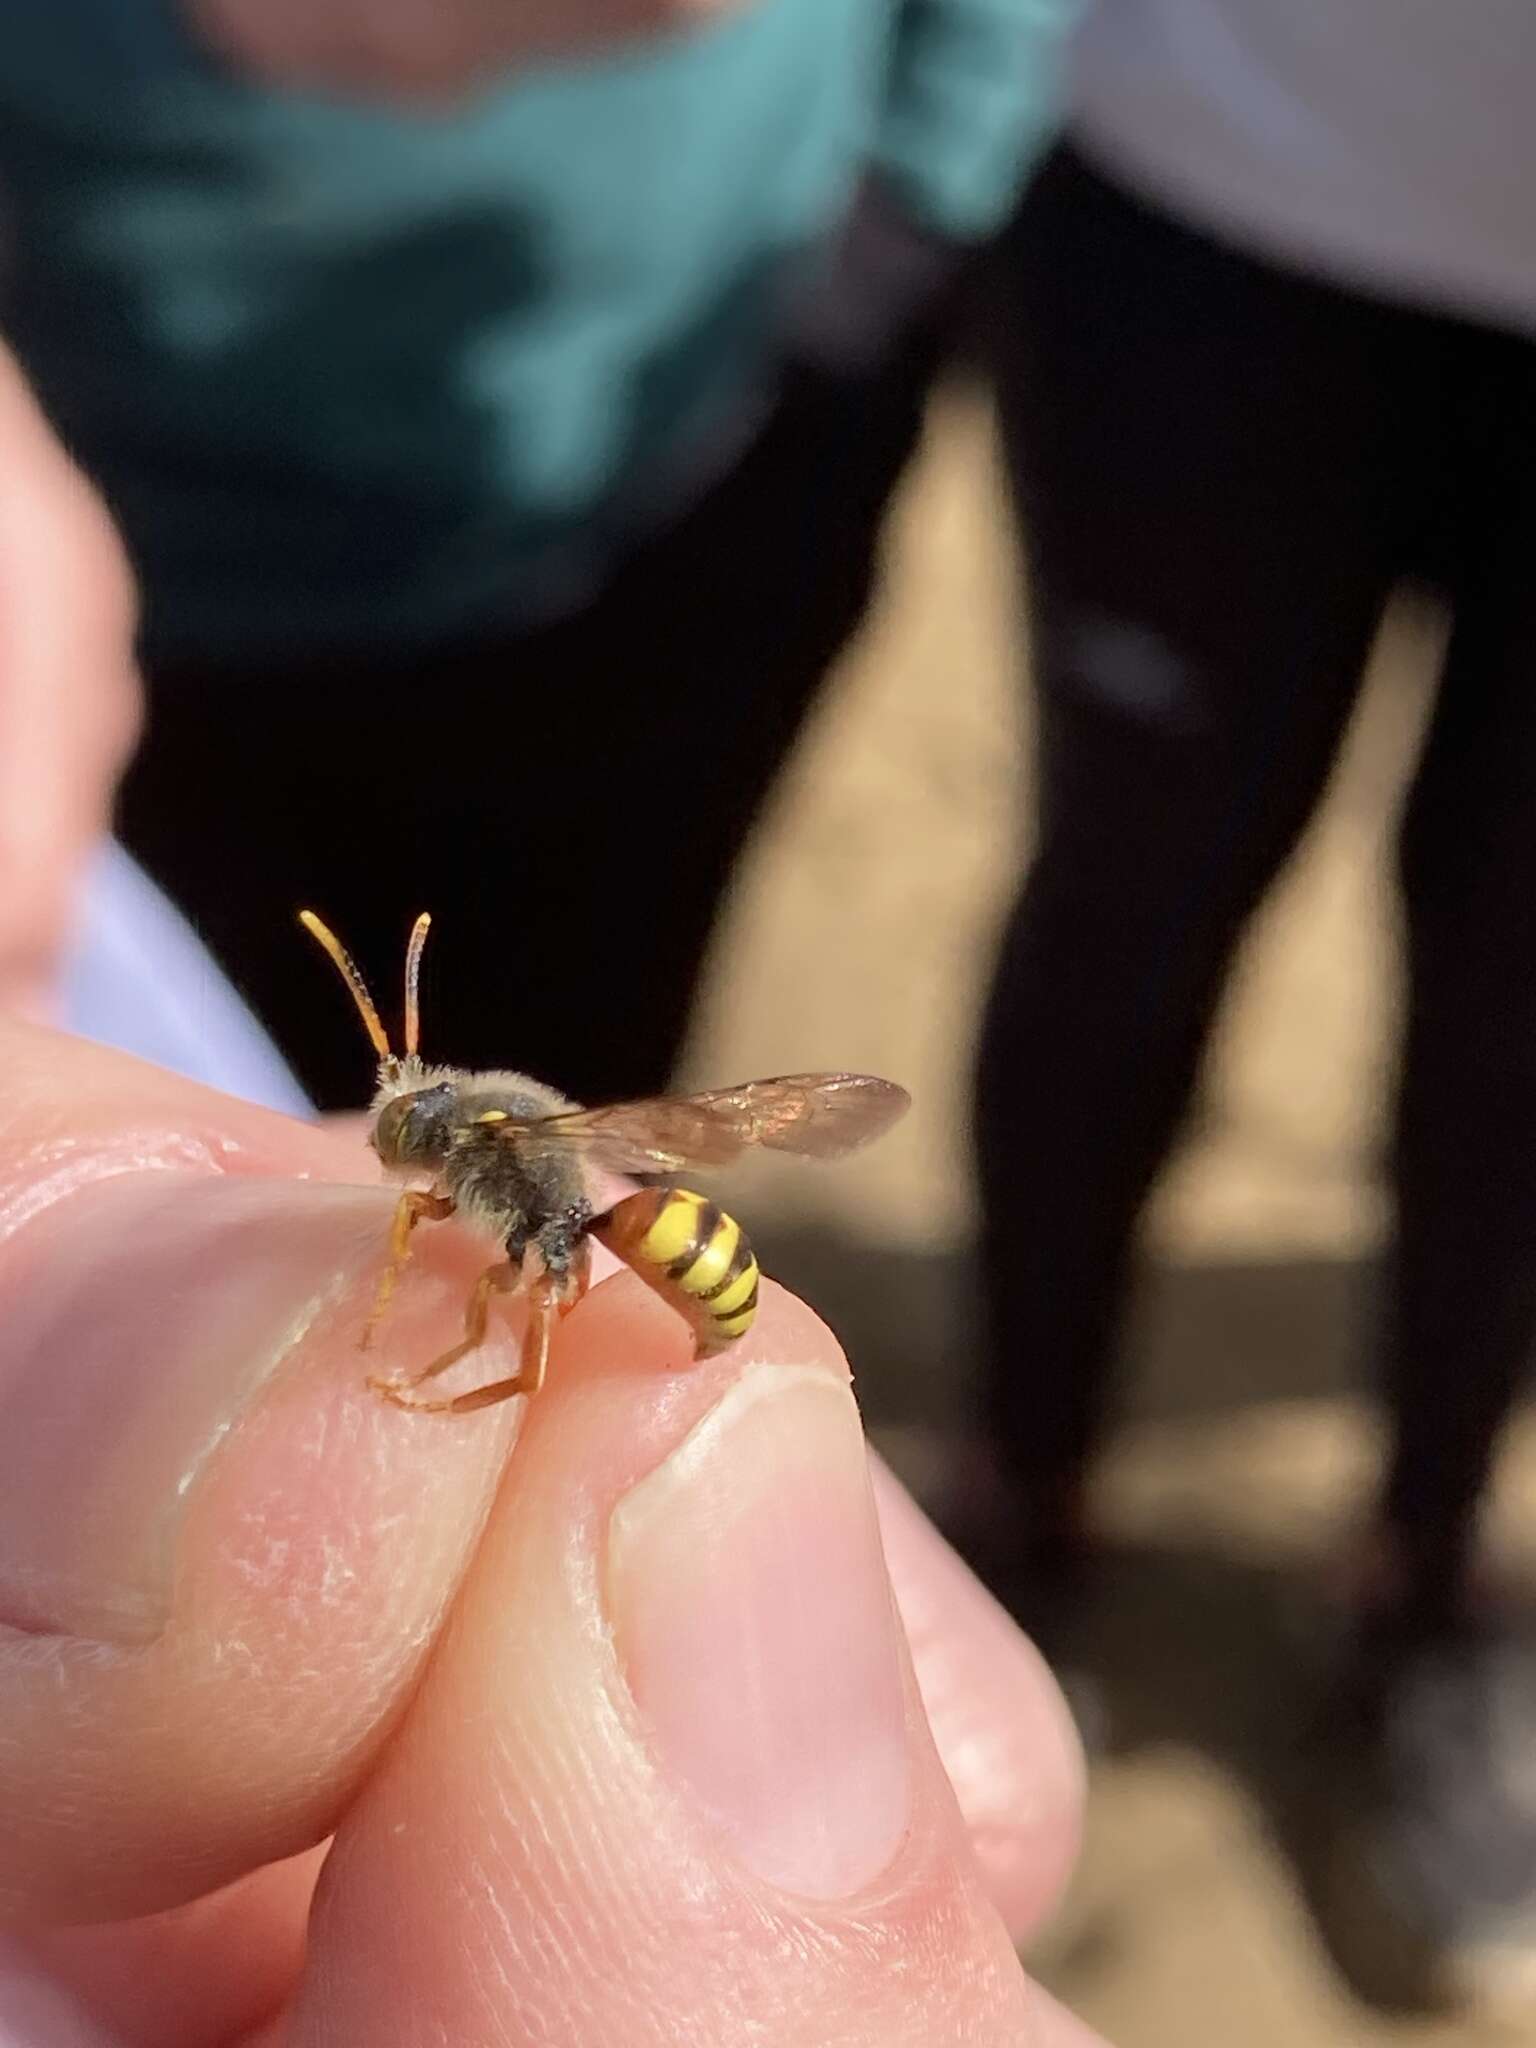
[
  {"x": 754, "y": 1617},
  {"x": 140, "y": 1317}
]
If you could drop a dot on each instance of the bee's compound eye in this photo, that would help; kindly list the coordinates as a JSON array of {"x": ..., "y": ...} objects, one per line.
[
  {"x": 416, "y": 1129},
  {"x": 385, "y": 1136}
]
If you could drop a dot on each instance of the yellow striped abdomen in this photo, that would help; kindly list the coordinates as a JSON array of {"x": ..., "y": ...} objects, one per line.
[{"x": 693, "y": 1255}]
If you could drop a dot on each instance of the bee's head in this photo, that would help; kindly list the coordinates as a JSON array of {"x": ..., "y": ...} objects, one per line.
[
  {"x": 413, "y": 1127},
  {"x": 412, "y": 1101}
]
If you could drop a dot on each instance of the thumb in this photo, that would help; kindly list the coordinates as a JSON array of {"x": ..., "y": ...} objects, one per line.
[{"x": 669, "y": 1779}]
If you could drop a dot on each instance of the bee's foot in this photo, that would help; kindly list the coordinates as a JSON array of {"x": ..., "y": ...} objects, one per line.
[{"x": 402, "y": 1394}]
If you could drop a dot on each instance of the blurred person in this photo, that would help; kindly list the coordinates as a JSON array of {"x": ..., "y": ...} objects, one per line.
[
  {"x": 1267, "y": 349},
  {"x": 499, "y": 404}
]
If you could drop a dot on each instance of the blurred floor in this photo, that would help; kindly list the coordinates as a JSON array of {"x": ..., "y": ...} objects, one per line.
[{"x": 861, "y": 937}]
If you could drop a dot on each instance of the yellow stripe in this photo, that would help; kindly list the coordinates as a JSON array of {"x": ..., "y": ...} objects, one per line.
[
  {"x": 725, "y": 1305},
  {"x": 738, "y": 1324},
  {"x": 674, "y": 1229},
  {"x": 712, "y": 1263}
]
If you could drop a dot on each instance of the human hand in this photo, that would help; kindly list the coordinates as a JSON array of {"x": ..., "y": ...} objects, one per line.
[
  {"x": 69, "y": 693},
  {"x": 624, "y": 1749},
  {"x": 433, "y": 49}
]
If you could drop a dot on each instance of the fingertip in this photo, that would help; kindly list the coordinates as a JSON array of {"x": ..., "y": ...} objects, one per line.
[
  {"x": 207, "y": 1972},
  {"x": 999, "y": 1720},
  {"x": 222, "y": 1559},
  {"x": 623, "y": 1327},
  {"x": 675, "y": 1733}
]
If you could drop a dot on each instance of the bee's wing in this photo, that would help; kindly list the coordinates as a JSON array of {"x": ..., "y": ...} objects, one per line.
[
  {"x": 816, "y": 1115},
  {"x": 819, "y": 1116},
  {"x": 657, "y": 1134}
]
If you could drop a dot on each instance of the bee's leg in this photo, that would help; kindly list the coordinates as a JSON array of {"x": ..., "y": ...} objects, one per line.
[
  {"x": 412, "y": 1208},
  {"x": 503, "y": 1278},
  {"x": 566, "y": 1252},
  {"x": 553, "y": 1294},
  {"x": 565, "y": 1246},
  {"x": 578, "y": 1275},
  {"x": 544, "y": 1304},
  {"x": 544, "y": 1308}
]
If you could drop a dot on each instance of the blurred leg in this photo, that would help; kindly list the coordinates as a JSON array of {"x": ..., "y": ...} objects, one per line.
[
  {"x": 1430, "y": 1876},
  {"x": 1465, "y": 1261},
  {"x": 568, "y": 803},
  {"x": 1217, "y": 468}
]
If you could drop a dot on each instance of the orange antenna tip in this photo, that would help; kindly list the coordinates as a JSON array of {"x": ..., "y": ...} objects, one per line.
[
  {"x": 418, "y": 940},
  {"x": 350, "y": 973}
]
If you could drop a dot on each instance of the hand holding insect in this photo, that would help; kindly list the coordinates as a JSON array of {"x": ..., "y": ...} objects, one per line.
[
  {"x": 510, "y": 1155},
  {"x": 226, "y": 1571}
]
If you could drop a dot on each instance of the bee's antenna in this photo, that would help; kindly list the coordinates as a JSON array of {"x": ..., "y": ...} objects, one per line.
[
  {"x": 350, "y": 973},
  {"x": 418, "y": 939}
]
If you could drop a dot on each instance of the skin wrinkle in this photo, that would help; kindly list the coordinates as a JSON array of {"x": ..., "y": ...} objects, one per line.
[
  {"x": 374, "y": 1685},
  {"x": 33, "y": 1194},
  {"x": 528, "y": 1929},
  {"x": 263, "y": 1360}
]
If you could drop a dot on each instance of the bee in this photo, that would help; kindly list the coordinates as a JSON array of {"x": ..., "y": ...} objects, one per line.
[{"x": 514, "y": 1159}]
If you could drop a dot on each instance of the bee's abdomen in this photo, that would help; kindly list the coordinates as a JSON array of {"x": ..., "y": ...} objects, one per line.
[{"x": 695, "y": 1257}]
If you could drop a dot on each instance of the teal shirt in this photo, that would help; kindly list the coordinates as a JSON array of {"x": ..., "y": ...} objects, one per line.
[{"x": 352, "y": 376}]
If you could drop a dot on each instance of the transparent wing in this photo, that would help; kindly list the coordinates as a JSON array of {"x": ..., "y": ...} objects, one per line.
[{"x": 819, "y": 1116}]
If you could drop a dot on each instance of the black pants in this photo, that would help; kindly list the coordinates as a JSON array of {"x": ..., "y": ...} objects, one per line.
[
  {"x": 567, "y": 803},
  {"x": 1224, "y": 468}
]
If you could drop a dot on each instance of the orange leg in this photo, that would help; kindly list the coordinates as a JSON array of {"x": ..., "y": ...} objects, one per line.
[
  {"x": 502, "y": 1278},
  {"x": 550, "y": 1297},
  {"x": 412, "y": 1207}
]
